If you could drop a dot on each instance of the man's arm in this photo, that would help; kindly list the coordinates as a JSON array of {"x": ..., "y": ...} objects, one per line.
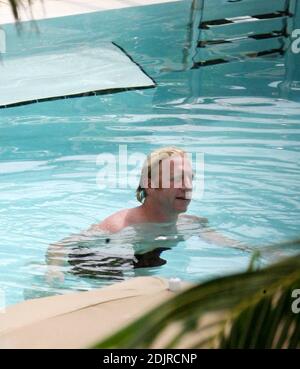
[
  {"x": 56, "y": 259},
  {"x": 213, "y": 236},
  {"x": 57, "y": 253},
  {"x": 210, "y": 235}
]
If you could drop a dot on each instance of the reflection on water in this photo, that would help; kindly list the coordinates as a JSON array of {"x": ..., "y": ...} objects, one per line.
[
  {"x": 113, "y": 256},
  {"x": 94, "y": 255}
]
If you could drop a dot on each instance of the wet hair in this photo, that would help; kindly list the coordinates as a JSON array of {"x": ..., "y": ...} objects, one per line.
[{"x": 153, "y": 160}]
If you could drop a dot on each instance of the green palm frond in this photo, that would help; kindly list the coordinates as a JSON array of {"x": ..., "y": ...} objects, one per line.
[{"x": 245, "y": 310}]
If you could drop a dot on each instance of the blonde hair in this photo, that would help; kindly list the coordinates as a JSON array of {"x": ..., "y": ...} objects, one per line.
[{"x": 152, "y": 161}]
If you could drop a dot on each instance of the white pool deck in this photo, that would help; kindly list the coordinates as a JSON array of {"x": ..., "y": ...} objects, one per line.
[{"x": 42, "y": 9}]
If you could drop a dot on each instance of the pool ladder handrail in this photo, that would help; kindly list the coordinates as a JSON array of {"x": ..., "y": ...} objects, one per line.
[{"x": 264, "y": 30}]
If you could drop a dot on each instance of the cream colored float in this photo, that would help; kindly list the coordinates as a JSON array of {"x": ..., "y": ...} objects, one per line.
[{"x": 78, "y": 320}]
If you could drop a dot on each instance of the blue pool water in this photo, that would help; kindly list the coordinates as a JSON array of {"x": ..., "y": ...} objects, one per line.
[{"x": 239, "y": 115}]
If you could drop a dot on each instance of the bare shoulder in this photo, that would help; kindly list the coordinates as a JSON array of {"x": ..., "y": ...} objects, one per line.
[
  {"x": 115, "y": 222},
  {"x": 119, "y": 220},
  {"x": 194, "y": 218}
]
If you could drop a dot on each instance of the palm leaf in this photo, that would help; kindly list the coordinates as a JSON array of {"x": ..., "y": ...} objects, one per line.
[
  {"x": 16, "y": 5},
  {"x": 245, "y": 310}
]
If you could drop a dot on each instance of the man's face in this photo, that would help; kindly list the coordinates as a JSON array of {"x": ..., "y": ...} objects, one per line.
[{"x": 175, "y": 184}]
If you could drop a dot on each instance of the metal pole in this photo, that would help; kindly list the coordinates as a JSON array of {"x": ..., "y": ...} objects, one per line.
[{"x": 290, "y": 87}]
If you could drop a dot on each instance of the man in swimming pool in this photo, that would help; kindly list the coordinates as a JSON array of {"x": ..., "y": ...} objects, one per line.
[{"x": 165, "y": 192}]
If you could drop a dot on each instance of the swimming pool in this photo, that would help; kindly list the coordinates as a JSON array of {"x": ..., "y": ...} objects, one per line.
[{"x": 237, "y": 114}]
